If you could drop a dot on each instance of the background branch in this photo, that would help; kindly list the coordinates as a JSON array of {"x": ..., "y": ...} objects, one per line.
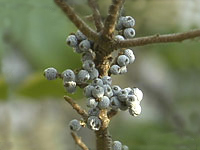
[
  {"x": 167, "y": 38},
  {"x": 78, "y": 22},
  {"x": 78, "y": 141},
  {"x": 75, "y": 106},
  {"x": 96, "y": 14},
  {"x": 111, "y": 19}
]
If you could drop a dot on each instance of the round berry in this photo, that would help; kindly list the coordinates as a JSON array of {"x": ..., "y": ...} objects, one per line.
[
  {"x": 74, "y": 125},
  {"x": 131, "y": 99},
  {"x": 77, "y": 50},
  {"x": 88, "y": 65},
  {"x": 98, "y": 91},
  {"x": 119, "y": 25},
  {"x": 80, "y": 36},
  {"x": 89, "y": 55},
  {"x": 83, "y": 76},
  {"x": 135, "y": 109},
  {"x": 117, "y": 145},
  {"x": 138, "y": 93},
  {"x": 119, "y": 38},
  {"x": 50, "y": 73},
  {"x": 72, "y": 41},
  {"x": 70, "y": 86},
  {"x": 107, "y": 80},
  {"x": 129, "y": 90},
  {"x": 94, "y": 111},
  {"x": 129, "y": 33},
  {"x": 115, "y": 103},
  {"x": 104, "y": 102},
  {"x": 123, "y": 106},
  {"x": 123, "y": 70},
  {"x": 130, "y": 55},
  {"x": 128, "y": 22},
  {"x": 68, "y": 75},
  {"x": 94, "y": 73},
  {"x": 124, "y": 147},
  {"x": 88, "y": 91},
  {"x": 122, "y": 95},
  {"x": 85, "y": 45},
  {"x": 123, "y": 60},
  {"x": 116, "y": 89},
  {"x": 115, "y": 69},
  {"x": 107, "y": 90},
  {"x": 94, "y": 123},
  {"x": 91, "y": 102},
  {"x": 97, "y": 81}
]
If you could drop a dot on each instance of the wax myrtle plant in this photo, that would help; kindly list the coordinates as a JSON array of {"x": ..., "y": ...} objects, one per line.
[{"x": 103, "y": 99}]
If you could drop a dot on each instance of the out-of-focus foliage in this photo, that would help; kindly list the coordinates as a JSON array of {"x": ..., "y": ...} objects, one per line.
[{"x": 3, "y": 89}]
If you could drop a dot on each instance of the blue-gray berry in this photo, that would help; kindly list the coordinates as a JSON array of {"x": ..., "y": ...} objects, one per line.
[
  {"x": 122, "y": 95},
  {"x": 130, "y": 55},
  {"x": 89, "y": 55},
  {"x": 91, "y": 102},
  {"x": 68, "y": 75},
  {"x": 135, "y": 109},
  {"x": 77, "y": 50},
  {"x": 119, "y": 38},
  {"x": 88, "y": 65},
  {"x": 94, "y": 73},
  {"x": 50, "y": 73},
  {"x": 72, "y": 41},
  {"x": 116, "y": 89},
  {"x": 124, "y": 147},
  {"x": 123, "y": 106},
  {"x": 128, "y": 22},
  {"x": 97, "y": 81},
  {"x": 85, "y": 45},
  {"x": 119, "y": 25},
  {"x": 115, "y": 103},
  {"x": 94, "y": 123},
  {"x": 117, "y": 145},
  {"x": 94, "y": 111},
  {"x": 88, "y": 91},
  {"x": 129, "y": 90},
  {"x": 107, "y": 80},
  {"x": 98, "y": 91},
  {"x": 138, "y": 93},
  {"x": 129, "y": 33},
  {"x": 74, "y": 125},
  {"x": 123, "y": 70},
  {"x": 83, "y": 76},
  {"x": 107, "y": 90},
  {"x": 130, "y": 100},
  {"x": 115, "y": 69},
  {"x": 104, "y": 102},
  {"x": 80, "y": 36},
  {"x": 122, "y": 60},
  {"x": 70, "y": 86}
]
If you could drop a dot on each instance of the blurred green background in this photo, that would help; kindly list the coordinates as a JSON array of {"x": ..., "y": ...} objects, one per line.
[{"x": 33, "y": 114}]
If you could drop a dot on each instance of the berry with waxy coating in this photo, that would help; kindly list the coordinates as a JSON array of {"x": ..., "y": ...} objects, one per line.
[
  {"x": 70, "y": 86},
  {"x": 130, "y": 100},
  {"x": 72, "y": 41},
  {"x": 83, "y": 76},
  {"x": 104, "y": 102},
  {"x": 116, "y": 89},
  {"x": 122, "y": 95},
  {"x": 98, "y": 91},
  {"x": 68, "y": 75},
  {"x": 129, "y": 90},
  {"x": 88, "y": 91},
  {"x": 138, "y": 93},
  {"x": 77, "y": 50},
  {"x": 129, "y": 33},
  {"x": 74, "y": 125},
  {"x": 107, "y": 80},
  {"x": 128, "y": 21},
  {"x": 115, "y": 69},
  {"x": 80, "y": 36},
  {"x": 123, "y": 60},
  {"x": 123, "y": 106},
  {"x": 130, "y": 55},
  {"x": 115, "y": 103},
  {"x": 119, "y": 38},
  {"x": 50, "y": 73},
  {"x": 88, "y": 55},
  {"x": 107, "y": 90},
  {"x": 85, "y": 45},
  {"x": 91, "y": 102},
  {"x": 97, "y": 81},
  {"x": 117, "y": 145},
  {"x": 135, "y": 108},
  {"x": 119, "y": 25},
  {"x": 94, "y": 73},
  {"x": 94, "y": 123},
  {"x": 88, "y": 65},
  {"x": 124, "y": 147},
  {"x": 123, "y": 70},
  {"x": 94, "y": 111}
]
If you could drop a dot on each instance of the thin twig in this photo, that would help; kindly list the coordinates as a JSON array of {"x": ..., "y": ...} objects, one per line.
[
  {"x": 166, "y": 38},
  {"x": 79, "y": 142},
  {"x": 75, "y": 106},
  {"x": 111, "y": 19},
  {"x": 96, "y": 14},
  {"x": 78, "y": 22}
]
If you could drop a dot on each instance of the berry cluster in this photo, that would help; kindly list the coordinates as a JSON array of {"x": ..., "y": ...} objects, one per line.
[{"x": 99, "y": 91}]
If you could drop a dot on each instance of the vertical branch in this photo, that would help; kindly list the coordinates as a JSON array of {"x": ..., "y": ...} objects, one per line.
[
  {"x": 96, "y": 14},
  {"x": 109, "y": 25},
  {"x": 78, "y": 22}
]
